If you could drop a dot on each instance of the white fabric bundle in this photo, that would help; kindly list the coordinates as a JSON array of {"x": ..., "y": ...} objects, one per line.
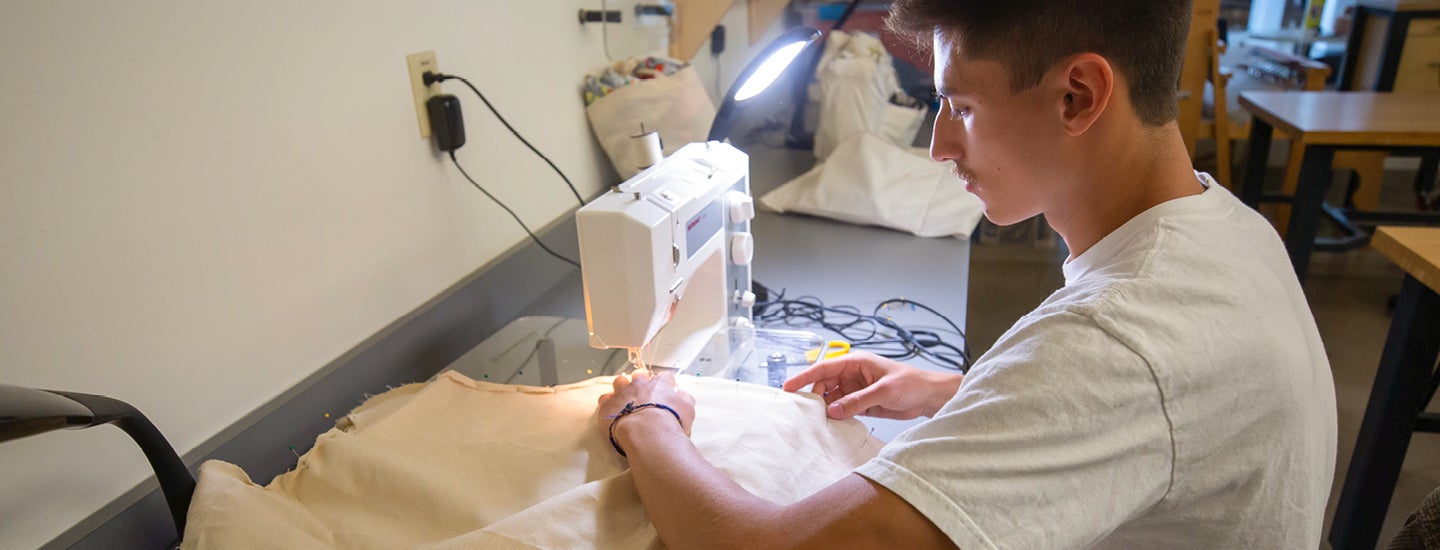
[
  {"x": 457, "y": 463},
  {"x": 871, "y": 181},
  {"x": 856, "y": 80}
]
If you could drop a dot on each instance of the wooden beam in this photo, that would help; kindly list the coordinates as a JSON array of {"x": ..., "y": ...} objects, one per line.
[
  {"x": 692, "y": 23},
  {"x": 763, "y": 13}
]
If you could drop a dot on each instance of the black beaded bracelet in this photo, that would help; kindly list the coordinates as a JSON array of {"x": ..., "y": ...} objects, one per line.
[{"x": 630, "y": 408}]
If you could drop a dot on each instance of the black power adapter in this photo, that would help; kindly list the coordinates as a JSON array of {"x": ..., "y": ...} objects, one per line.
[
  {"x": 717, "y": 40},
  {"x": 445, "y": 122}
]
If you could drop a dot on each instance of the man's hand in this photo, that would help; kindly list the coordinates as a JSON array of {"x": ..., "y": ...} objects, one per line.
[
  {"x": 692, "y": 503},
  {"x": 864, "y": 383},
  {"x": 641, "y": 387}
]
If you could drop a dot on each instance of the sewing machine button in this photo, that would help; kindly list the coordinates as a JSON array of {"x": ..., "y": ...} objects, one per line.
[
  {"x": 742, "y": 207},
  {"x": 745, "y": 298},
  {"x": 742, "y": 248}
]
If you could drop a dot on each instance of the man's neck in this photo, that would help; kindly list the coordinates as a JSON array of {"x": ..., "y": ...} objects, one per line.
[{"x": 1143, "y": 169}]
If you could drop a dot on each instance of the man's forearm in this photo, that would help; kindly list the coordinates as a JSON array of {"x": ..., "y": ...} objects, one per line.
[
  {"x": 695, "y": 505},
  {"x": 691, "y": 503}
]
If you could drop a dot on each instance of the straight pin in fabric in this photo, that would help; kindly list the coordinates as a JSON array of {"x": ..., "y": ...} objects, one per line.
[{"x": 864, "y": 441}]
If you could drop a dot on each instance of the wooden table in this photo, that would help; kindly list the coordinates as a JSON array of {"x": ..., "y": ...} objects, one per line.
[
  {"x": 1323, "y": 123},
  {"x": 1390, "y": 46},
  {"x": 1404, "y": 384}
]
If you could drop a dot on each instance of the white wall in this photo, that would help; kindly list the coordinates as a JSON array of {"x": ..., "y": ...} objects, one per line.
[
  {"x": 1333, "y": 10},
  {"x": 203, "y": 203},
  {"x": 1265, "y": 15}
]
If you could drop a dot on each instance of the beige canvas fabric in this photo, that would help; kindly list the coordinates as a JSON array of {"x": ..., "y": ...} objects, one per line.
[{"x": 457, "y": 463}]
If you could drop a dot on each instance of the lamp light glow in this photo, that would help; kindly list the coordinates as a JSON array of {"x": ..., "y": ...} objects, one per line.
[{"x": 764, "y": 76}]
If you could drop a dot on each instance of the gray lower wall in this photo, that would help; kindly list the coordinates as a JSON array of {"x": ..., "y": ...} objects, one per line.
[{"x": 411, "y": 349}]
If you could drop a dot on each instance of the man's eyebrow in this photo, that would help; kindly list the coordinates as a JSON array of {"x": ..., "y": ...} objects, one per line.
[{"x": 948, "y": 91}]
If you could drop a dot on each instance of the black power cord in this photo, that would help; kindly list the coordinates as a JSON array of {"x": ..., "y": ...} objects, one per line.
[
  {"x": 433, "y": 77},
  {"x": 873, "y": 332},
  {"x": 512, "y": 213}
]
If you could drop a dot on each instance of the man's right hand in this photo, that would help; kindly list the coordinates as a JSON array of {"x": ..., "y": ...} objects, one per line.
[{"x": 864, "y": 383}]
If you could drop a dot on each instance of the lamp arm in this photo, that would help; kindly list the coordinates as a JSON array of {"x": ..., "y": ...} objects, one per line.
[
  {"x": 725, "y": 120},
  {"x": 27, "y": 411}
]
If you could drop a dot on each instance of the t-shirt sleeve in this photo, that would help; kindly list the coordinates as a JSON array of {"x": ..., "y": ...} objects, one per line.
[{"x": 1056, "y": 437}]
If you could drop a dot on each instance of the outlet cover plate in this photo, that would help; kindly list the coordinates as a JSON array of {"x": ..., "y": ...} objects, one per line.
[{"x": 419, "y": 63}]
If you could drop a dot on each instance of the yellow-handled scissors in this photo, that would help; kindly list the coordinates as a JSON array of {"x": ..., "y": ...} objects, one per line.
[{"x": 833, "y": 349}]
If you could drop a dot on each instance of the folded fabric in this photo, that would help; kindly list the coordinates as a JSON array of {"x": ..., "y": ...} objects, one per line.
[
  {"x": 457, "y": 463},
  {"x": 871, "y": 181}
]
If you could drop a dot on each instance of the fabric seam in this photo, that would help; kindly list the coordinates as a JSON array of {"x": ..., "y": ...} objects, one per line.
[{"x": 1159, "y": 389}]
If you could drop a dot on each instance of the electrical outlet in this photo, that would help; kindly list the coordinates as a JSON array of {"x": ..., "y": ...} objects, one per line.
[{"x": 419, "y": 63}]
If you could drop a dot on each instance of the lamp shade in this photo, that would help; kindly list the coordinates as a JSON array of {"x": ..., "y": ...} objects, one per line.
[{"x": 767, "y": 67}]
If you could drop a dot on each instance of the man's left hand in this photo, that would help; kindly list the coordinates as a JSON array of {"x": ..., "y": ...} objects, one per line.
[{"x": 642, "y": 387}]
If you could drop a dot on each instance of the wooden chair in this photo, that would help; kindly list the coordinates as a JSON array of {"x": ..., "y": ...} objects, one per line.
[
  {"x": 1203, "y": 50},
  {"x": 1201, "y": 47}
]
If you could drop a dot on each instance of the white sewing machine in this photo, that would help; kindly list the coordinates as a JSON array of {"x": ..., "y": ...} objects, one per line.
[{"x": 665, "y": 259}]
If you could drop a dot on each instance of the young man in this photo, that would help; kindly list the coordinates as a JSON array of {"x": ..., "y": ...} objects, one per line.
[{"x": 1174, "y": 393}]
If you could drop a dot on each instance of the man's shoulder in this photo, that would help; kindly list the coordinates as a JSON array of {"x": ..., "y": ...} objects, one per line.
[{"x": 1063, "y": 339}]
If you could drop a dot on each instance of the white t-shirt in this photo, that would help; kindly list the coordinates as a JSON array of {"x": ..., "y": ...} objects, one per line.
[{"x": 1175, "y": 393}]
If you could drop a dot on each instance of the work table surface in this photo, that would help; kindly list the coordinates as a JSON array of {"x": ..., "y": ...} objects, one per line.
[
  {"x": 1414, "y": 249},
  {"x": 1350, "y": 118}
]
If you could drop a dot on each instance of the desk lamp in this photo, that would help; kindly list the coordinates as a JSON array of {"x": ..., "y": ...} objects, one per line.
[
  {"x": 759, "y": 75},
  {"x": 27, "y": 411}
]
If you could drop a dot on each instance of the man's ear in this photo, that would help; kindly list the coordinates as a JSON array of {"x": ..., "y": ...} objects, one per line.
[{"x": 1089, "y": 82}]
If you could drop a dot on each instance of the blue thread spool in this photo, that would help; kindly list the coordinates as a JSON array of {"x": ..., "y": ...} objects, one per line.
[{"x": 776, "y": 365}]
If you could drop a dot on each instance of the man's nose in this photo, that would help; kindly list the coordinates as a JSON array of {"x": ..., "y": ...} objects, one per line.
[{"x": 944, "y": 139}]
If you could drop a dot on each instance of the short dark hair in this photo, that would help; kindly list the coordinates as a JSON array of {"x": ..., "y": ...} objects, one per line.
[{"x": 1143, "y": 39}]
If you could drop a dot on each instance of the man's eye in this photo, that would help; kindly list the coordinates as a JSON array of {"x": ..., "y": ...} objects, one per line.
[{"x": 957, "y": 111}]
